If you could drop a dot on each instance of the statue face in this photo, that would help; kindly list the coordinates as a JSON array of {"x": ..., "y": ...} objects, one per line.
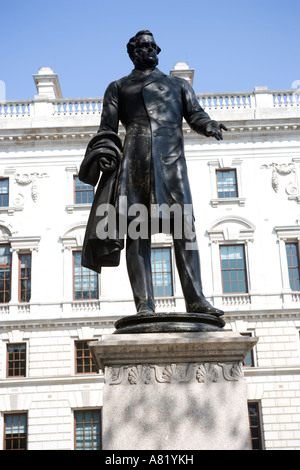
[{"x": 145, "y": 53}]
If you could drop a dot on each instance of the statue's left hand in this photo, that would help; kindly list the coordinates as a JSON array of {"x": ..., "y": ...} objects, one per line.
[{"x": 214, "y": 129}]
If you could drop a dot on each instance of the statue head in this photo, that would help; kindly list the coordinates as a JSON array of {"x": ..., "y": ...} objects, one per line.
[{"x": 143, "y": 50}]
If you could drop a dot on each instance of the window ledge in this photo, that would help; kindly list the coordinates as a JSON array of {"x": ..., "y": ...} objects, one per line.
[
  {"x": 10, "y": 209},
  {"x": 294, "y": 197},
  {"x": 77, "y": 207},
  {"x": 230, "y": 200}
]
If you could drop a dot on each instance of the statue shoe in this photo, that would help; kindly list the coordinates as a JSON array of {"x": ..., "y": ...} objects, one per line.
[{"x": 203, "y": 306}]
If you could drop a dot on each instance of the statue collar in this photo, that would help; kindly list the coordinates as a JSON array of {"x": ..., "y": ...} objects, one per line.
[{"x": 138, "y": 75}]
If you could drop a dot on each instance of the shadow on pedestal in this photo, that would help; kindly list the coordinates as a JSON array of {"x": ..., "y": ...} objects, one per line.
[{"x": 168, "y": 322}]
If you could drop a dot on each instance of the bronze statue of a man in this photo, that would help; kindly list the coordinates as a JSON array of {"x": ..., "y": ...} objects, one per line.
[{"x": 152, "y": 168}]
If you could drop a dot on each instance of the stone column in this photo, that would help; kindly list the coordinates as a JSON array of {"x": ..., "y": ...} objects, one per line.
[{"x": 167, "y": 391}]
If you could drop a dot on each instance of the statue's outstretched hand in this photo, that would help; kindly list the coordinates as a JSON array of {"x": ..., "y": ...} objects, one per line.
[{"x": 214, "y": 129}]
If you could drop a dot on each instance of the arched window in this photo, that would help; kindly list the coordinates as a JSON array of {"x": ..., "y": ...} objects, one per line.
[{"x": 231, "y": 239}]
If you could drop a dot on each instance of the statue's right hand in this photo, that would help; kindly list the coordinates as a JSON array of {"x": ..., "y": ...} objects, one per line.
[{"x": 106, "y": 164}]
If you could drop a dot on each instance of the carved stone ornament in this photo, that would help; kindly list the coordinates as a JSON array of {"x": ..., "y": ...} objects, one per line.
[
  {"x": 139, "y": 375},
  {"x": 207, "y": 373},
  {"x": 173, "y": 373},
  {"x": 283, "y": 169},
  {"x": 4, "y": 234},
  {"x": 114, "y": 376},
  {"x": 26, "y": 178}
]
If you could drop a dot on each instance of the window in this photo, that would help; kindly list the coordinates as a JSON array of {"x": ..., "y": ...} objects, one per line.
[
  {"x": 16, "y": 360},
  {"x": 249, "y": 358},
  {"x": 4, "y": 192},
  {"x": 288, "y": 239},
  {"x": 85, "y": 281},
  {"x": 88, "y": 430},
  {"x": 83, "y": 193},
  {"x": 233, "y": 269},
  {"x": 255, "y": 426},
  {"x": 5, "y": 273},
  {"x": 84, "y": 362},
  {"x": 15, "y": 431},
  {"x": 226, "y": 183},
  {"x": 293, "y": 265},
  {"x": 162, "y": 272},
  {"x": 24, "y": 277}
]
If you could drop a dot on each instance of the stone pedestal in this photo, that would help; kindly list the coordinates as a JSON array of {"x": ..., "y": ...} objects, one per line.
[{"x": 167, "y": 391}]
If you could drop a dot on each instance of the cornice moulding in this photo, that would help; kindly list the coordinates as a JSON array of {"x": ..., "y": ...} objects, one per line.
[
  {"x": 67, "y": 134},
  {"x": 29, "y": 323}
]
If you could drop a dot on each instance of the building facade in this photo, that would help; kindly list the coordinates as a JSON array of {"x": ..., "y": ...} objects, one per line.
[{"x": 246, "y": 196}]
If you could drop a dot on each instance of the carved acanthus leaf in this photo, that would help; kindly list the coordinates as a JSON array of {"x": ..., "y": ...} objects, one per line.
[
  {"x": 232, "y": 372},
  {"x": 114, "y": 376}
]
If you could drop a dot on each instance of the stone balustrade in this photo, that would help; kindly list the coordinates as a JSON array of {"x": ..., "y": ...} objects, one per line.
[
  {"x": 286, "y": 98},
  {"x": 15, "y": 109},
  {"x": 77, "y": 106},
  {"x": 250, "y": 302},
  {"x": 59, "y": 108},
  {"x": 220, "y": 101}
]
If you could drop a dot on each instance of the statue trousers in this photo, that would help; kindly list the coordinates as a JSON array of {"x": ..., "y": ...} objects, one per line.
[{"x": 138, "y": 259}]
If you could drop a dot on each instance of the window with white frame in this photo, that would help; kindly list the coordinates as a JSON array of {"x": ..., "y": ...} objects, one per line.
[
  {"x": 162, "y": 271},
  {"x": 292, "y": 253},
  {"x": 226, "y": 182},
  {"x": 4, "y": 192},
  {"x": 79, "y": 283},
  {"x": 5, "y": 273},
  {"x": 80, "y": 195},
  {"x": 289, "y": 250},
  {"x": 249, "y": 360},
  {"x": 83, "y": 193},
  {"x": 85, "y": 281},
  {"x": 231, "y": 242},
  {"x": 233, "y": 269},
  {"x": 24, "y": 277}
]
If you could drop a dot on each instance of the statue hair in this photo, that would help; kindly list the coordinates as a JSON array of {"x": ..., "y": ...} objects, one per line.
[{"x": 132, "y": 42}]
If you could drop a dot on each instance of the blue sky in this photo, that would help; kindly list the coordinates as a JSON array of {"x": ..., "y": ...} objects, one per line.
[{"x": 233, "y": 45}]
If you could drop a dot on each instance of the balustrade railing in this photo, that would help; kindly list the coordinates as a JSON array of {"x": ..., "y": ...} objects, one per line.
[
  {"x": 163, "y": 303},
  {"x": 286, "y": 98},
  {"x": 226, "y": 100},
  {"x": 93, "y": 106},
  {"x": 85, "y": 305},
  {"x": 236, "y": 299},
  {"x": 77, "y": 106},
  {"x": 12, "y": 109}
]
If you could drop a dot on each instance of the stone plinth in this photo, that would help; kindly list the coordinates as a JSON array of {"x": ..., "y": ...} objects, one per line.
[{"x": 168, "y": 391}]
